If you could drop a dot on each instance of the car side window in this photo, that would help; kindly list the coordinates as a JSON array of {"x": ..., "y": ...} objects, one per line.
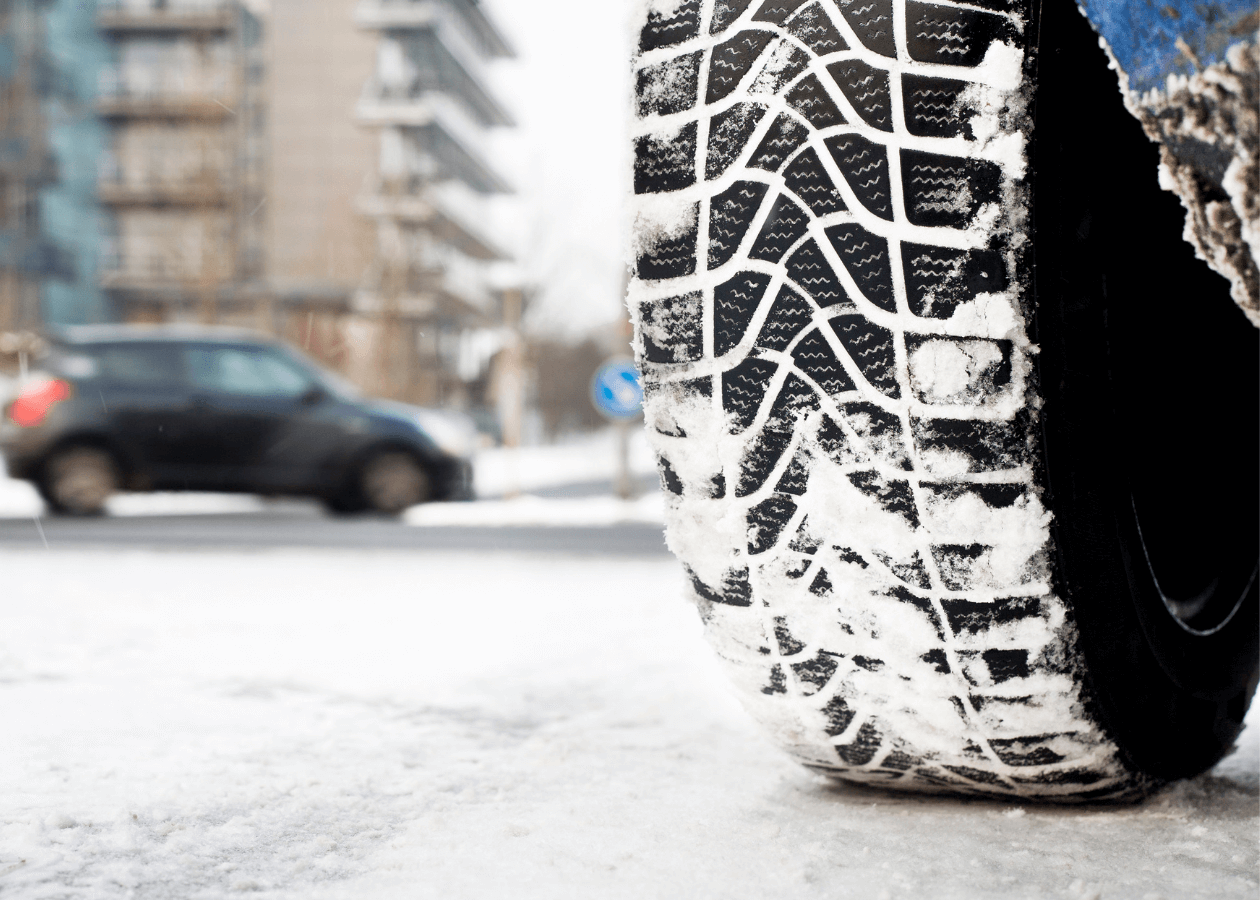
[
  {"x": 245, "y": 371},
  {"x": 140, "y": 365}
]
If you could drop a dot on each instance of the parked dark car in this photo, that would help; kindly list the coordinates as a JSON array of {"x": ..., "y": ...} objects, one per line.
[{"x": 209, "y": 409}]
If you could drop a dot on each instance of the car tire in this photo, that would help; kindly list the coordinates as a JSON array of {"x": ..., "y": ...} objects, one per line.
[
  {"x": 77, "y": 481},
  {"x": 391, "y": 482},
  {"x": 883, "y": 358}
]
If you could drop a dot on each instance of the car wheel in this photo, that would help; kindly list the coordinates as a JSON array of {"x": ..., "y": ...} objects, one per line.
[
  {"x": 912, "y": 446},
  {"x": 392, "y": 481},
  {"x": 77, "y": 481}
]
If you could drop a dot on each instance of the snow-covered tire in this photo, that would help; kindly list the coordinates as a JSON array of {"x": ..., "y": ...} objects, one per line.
[{"x": 836, "y": 315}]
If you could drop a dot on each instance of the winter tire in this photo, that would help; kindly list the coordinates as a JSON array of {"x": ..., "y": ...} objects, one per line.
[
  {"x": 908, "y": 365},
  {"x": 78, "y": 480}
]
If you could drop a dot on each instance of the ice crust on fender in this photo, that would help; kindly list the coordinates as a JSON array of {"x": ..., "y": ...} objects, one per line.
[{"x": 829, "y": 292}]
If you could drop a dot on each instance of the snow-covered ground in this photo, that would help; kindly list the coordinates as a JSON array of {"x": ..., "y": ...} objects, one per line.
[
  {"x": 386, "y": 725},
  {"x": 499, "y": 472}
]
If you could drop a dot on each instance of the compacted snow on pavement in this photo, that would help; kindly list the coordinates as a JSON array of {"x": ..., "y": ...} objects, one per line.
[{"x": 297, "y": 724}]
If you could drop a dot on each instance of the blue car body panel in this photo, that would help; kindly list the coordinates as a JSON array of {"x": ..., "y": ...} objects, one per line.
[{"x": 1143, "y": 34}]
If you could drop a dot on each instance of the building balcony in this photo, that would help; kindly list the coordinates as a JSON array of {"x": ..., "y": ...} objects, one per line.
[
  {"x": 121, "y": 191},
  {"x": 437, "y": 130},
  {"x": 159, "y": 273},
  {"x": 432, "y": 216},
  {"x": 465, "y": 15},
  {"x": 146, "y": 16},
  {"x": 155, "y": 97}
]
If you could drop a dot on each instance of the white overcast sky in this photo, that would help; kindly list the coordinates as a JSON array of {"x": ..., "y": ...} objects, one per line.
[{"x": 569, "y": 157}]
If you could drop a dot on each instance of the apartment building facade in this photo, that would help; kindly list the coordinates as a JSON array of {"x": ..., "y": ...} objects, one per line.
[
  {"x": 429, "y": 103},
  {"x": 183, "y": 173},
  {"x": 50, "y": 140}
]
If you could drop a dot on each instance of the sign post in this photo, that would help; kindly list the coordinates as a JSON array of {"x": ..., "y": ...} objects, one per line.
[{"x": 617, "y": 393}]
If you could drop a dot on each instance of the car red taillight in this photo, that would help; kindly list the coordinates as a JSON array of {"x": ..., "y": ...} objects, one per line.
[{"x": 32, "y": 405}]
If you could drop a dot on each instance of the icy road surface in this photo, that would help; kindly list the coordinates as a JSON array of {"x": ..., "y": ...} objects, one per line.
[{"x": 304, "y": 724}]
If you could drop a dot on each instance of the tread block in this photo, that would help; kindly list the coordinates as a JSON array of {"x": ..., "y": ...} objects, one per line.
[
  {"x": 668, "y": 87},
  {"x": 891, "y": 495},
  {"x": 955, "y": 446},
  {"x": 815, "y": 30},
  {"x": 735, "y": 590},
  {"x": 867, "y": 89},
  {"x": 807, "y": 178},
  {"x": 994, "y": 496},
  {"x": 730, "y": 214},
  {"x": 780, "y": 142},
  {"x": 735, "y": 302},
  {"x": 1067, "y": 776},
  {"x": 872, "y": 21},
  {"x": 947, "y": 191},
  {"x": 866, "y": 257},
  {"x": 814, "y": 356},
  {"x": 836, "y": 444},
  {"x": 788, "y": 316},
  {"x": 786, "y": 224},
  {"x": 665, "y": 162},
  {"x": 863, "y": 747},
  {"x": 766, "y": 522},
  {"x": 724, "y": 13},
  {"x": 729, "y": 132},
  {"x": 795, "y": 400},
  {"x": 864, "y": 165},
  {"x": 777, "y": 11},
  {"x": 821, "y": 586},
  {"x": 910, "y": 570},
  {"x": 958, "y": 371},
  {"x": 788, "y": 645},
  {"x": 880, "y": 430},
  {"x": 816, "y": 672},
  {"x": 971, "y": 617},
  {"x": 952, "y": 35},
  {"x": 669, "y": 478},
  {"x": 779, "y": 67},
  {"x": 872, "y": 348},
  {"x": 1028, "y": 751},
  {"x": 759, "y": 461},
  {"x": 838, "y": 714},
  {"x": 977, "y": 775},
  {"x": 958, "y": 564},
  {"x": 664, "y": 29},
  {"x": 939, "y": 280},
  {"x": 811, "y": 100},
  {"x": 849, "y": 555},
  {"x": 795, "y": 478},
  {"x": 931, "y": 106},
  {"x": 778, "y": 681},
  {"x": 922, "y": 604},
  {"x": 804, "y": 542},
  {"x": 732, "y": 60},
  {"x": 662, "y": 419},
  {"x": 1005, "y": 665},
  {"x": 813, "y": 274},
  {"x": 673, "y": 329},
  {"x": 743, "y": 389}
]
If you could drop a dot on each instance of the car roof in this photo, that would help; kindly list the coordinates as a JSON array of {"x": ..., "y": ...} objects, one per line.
[{"x": 82, "y": 335}]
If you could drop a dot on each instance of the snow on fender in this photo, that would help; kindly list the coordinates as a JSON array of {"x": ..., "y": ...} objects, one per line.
[{"x": 831, "y": 299}]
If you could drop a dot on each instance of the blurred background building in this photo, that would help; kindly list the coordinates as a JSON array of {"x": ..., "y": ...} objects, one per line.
[{"x": 315, "y": 169}]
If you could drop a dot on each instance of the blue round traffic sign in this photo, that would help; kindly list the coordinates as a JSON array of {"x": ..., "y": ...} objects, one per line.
[{"x": 616, "y": 390}]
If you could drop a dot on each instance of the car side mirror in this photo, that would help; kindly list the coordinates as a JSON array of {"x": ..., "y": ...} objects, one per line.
[{"x": 313, "y": 396}]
